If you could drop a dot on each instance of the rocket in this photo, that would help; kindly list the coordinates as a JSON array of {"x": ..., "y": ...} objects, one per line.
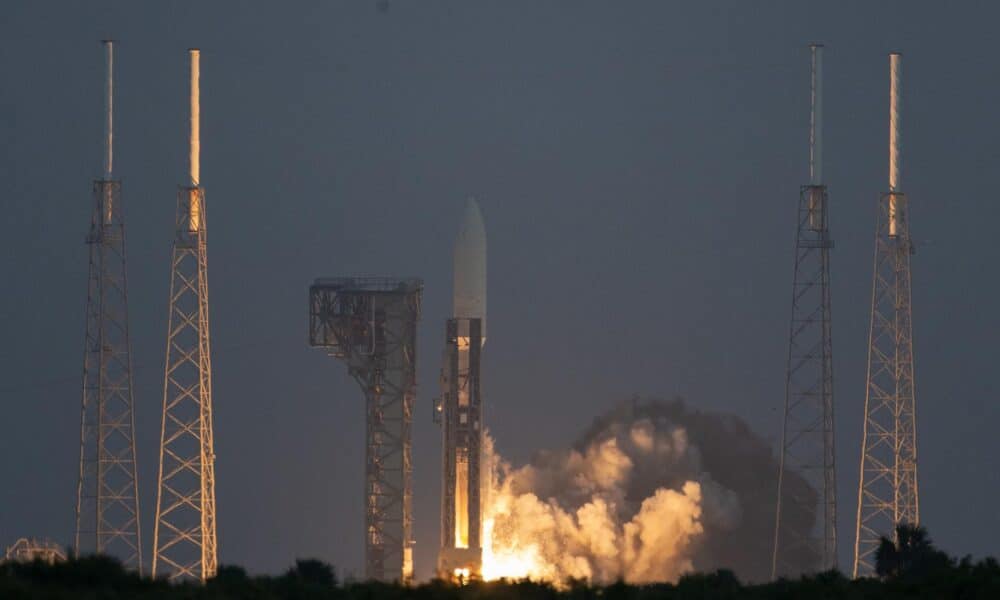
[{"x": 460, "y": 410}]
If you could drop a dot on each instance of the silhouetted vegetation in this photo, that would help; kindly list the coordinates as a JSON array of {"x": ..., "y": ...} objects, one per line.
[
  {"x": 909, "y": 567},
  {"x": 911, "y": 556}
]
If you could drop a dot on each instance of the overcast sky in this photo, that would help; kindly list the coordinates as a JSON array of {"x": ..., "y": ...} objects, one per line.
[{"x": 638, "y": 166}]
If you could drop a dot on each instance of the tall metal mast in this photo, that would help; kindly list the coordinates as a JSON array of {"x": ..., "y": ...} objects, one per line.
[
  {"x": 807, "y": 441},
  {"x": 184, "y": 540},
  {"x": 887, "y": 491},
  {"x": 371, "y": 324},
  {"x": 107, "y": 501}
]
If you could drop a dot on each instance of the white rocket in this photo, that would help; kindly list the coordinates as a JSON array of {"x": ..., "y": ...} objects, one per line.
[{"x": 460, "y": 411}]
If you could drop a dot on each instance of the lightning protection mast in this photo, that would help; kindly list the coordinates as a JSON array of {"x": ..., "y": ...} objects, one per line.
[
  {"x": 184, "y": 540},
  {"x": 807, "y": 448},
  {"x": 107, "y": 500},
  {"x": 887, "y": 490}
]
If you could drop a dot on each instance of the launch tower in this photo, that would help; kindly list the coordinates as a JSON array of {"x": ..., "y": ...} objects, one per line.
[
  {"x": 371, "y": 324},
  {"x": 107, "y": 501},
  {"x": 807, "y": 445},
  {"x": 184, "y": 540},
  {"x": 460, "y": 409},
  {"x": 887, "y": 491}
]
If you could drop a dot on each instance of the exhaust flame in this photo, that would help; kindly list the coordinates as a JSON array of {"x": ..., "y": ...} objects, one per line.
[{"x": 635, "y": 499}]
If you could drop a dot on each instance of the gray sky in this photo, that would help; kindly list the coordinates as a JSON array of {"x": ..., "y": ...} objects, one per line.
[{"x": 638, "y": 167}]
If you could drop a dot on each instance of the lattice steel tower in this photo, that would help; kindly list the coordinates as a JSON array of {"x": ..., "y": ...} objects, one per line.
[
  {"x": 107, "y": 501},
  {"x": 807, "y": 441},
  {"x": 887, "y": 491},
  {"x": 371, "y": 324},
  {"x": 184, "y": 540}
]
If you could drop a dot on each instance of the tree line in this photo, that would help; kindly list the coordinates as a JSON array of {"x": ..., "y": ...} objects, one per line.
[{"x": 907, "y": 567}]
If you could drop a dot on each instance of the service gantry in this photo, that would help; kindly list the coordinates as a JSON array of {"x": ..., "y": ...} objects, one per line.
[{"x": 371, "y": 324}]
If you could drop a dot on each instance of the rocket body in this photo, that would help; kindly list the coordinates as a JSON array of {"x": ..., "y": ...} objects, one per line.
[{"x": 460, "y": 408}]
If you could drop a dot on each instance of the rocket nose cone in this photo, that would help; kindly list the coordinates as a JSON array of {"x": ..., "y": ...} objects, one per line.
[{"x": 472, "y": 228}]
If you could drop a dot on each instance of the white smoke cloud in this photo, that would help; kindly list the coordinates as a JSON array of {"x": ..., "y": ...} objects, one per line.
[
  {"x": 568, "y": 515},
  {"x": 658, "y": 539},
  {"x": 633, "y": 500}
]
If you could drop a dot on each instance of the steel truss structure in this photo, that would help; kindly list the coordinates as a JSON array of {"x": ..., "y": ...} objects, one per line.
[
  {"x": 371, "y": 325},
  {"x": 461, "y": 414},
  {"x": 887, "y": 490},
  {"x": 807, "y": 446},
  {"x": 185, "y": 545},
  {"x": 29, "y": 550},
  {"x": 107, "y": 507},
  {"x": 887, "y": 494},
  {"x": 805, "y": 526},
  {"x": 107, "y": 497},
  {"x": 185, "y": 536}
]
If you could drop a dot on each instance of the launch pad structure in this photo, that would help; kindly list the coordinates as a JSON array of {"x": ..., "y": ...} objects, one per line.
[
  {"x": 107, "y": 502},
  {"x": 887, "y": 490},
  {"x": 184, "y": 537},
  {"x": 370, "y": 323},
  {"x": 807, "y": 441},
  {"x": 29, "y": 550}
]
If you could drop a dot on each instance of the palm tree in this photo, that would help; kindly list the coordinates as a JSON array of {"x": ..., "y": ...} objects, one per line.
[{"x": 910, "y": 555}]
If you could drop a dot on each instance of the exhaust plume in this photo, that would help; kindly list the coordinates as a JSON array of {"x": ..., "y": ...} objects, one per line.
[{"x": 651, "y": 491}]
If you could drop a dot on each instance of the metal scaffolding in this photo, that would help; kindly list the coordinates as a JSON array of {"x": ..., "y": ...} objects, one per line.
[
  {"x": 807, "y": 441},
  {"x": 460, "y": 413},
  {"x": 107, "y": 502},
  {"x": 887, "y": 491},
  {"x": 29, "y": 550},
  {"x": 371, "y": 324},
  {"x": 184, "y": 540}
]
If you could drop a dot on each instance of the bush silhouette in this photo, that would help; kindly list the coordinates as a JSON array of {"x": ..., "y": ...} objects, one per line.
[
  {"x": 910, "y": 556},
  {"x": 312, "y": 572},
  {"x": 909, "y": 567}
]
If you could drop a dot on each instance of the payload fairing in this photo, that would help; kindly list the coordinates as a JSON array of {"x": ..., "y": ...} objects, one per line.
[
  {"x": 470, "y": 267},
  {"x": 460, "y": 408}
]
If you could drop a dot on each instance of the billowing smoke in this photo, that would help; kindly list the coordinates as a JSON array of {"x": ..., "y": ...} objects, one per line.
[{"x": 651, "y": 491}]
